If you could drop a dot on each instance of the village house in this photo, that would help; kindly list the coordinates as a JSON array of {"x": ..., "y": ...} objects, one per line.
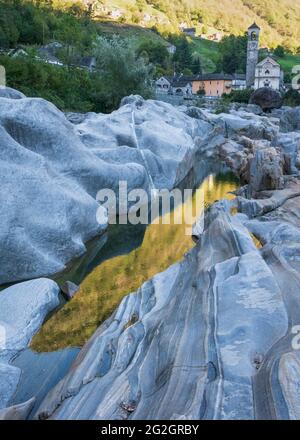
[
  {"x": 217, "y": 36},
  {"x": 176, "y": 85},
  {"x": 268, "y": 74},
  {"x": 88, "y": 63},
  {"x": 191, "y": 32},
  {"x": 163, "y": 84},
  {"x": 238, "y": 81},
  {"x": 213, "y": 84},
  {"x": 182, "y": 86}
]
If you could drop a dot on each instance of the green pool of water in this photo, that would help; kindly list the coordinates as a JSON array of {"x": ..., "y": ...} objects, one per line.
[{"x": 145, "y": 252}]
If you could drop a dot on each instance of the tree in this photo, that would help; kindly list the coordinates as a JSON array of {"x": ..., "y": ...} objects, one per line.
[
  {"x": 196, "y": 66},
  {"x": 121, "y": 71},
  {"x": 292, "y": 98},
  {"x": 279, "y": 52},
  {"x": 155, "y": 52},
  {"x": 233, "y": 52},
  {"x": 183, "y": 56}
]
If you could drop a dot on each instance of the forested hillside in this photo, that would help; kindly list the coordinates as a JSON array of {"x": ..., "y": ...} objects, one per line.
[{"x": 279, "y": 19}]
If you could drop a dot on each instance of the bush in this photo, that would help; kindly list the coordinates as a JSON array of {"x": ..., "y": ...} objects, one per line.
[
  {"x": 292, "y": 98},
  {"x": 68, "y": 89},
  {"x": 201, "y": 92},
  {"x": 279, "y": 52},
  {"x": 121, "y": 70},
  {"x": 241, "y": 96},
  {"x": 222, "y": 107}
]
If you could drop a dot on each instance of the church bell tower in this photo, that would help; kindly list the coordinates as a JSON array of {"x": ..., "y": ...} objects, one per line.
[{"x": 252, "y": 54}]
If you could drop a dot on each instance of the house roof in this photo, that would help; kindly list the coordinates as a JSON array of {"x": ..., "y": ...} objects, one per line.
[
  {"x": 180, "y": 82},
  {"x": 254, "y": 26},
  {"x": 215, "y": 77},
  {"x": 87, "y": 61},
  {"x": 183, "y": 80},
  {"x": 267, "y": 60},
  {"x": 240, "y": 76}
]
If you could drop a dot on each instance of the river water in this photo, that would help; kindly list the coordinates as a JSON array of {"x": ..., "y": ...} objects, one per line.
[{"x": 129, "y": 256}]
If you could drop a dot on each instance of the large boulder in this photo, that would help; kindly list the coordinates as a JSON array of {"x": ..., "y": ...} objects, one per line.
[
  {"x": 7, "y": 92},
  {"x": 266, "y": 170},
  {"x": 266, "y": 98},
  {"x": 52, "y": 170},
  {"x": 290, "y": 119}
]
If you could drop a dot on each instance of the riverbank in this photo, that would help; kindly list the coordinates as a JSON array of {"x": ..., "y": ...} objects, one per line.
[{"x": 210, "y": 336}]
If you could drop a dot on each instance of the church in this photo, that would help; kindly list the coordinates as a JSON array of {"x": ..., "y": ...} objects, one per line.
[{"x": 266, "y": 73}]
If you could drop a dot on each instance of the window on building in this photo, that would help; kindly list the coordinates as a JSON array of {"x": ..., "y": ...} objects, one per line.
[{"x": 267, "y": 72}]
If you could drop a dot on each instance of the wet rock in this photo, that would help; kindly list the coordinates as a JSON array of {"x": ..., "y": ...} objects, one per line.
[
  {"x": 266, "y": 98},
  {"x": 23, "y": 308},
  {"x": 161, "y": 361},
  {"x": 69, "y": 289},
  {"x": 9, "y": 378}
]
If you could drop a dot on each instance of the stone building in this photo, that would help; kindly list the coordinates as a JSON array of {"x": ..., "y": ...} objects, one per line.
[
  {"x": 268, "y": 74},
  {"x": 252, "y": 54}
]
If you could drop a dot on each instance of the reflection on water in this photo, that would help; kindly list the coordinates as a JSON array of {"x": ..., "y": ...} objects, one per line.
[{"x": 146, "y": 252}]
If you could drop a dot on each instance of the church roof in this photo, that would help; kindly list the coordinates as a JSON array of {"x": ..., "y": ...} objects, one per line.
[
  {"x": 269, "y": 60},
  {"x": 254, "y": 26}
]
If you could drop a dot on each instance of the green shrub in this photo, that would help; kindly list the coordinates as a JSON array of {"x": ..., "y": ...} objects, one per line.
[
  {"x": 292, "y": 98},
  {"x": 241, "y": 96}
]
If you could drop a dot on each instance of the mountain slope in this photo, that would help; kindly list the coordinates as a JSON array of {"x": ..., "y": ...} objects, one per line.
[{"x": 279, "y": 19}]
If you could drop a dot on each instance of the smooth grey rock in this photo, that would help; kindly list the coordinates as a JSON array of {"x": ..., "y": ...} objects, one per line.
[
  {"x": 266, "y": 170},
  {"x": 23, "y": 308},
  {"x": 7, "y": 92},
  {"x": 290, "y": 119},
  {"x": 62, "y": 166},
  {"x": 9, "y": 378},
  {"x": 17, "y": 412},
  {"x": 202, "y": 328}
]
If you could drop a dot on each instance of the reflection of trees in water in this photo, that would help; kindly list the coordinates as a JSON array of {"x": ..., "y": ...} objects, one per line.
[{"x": 146, "y": 252}]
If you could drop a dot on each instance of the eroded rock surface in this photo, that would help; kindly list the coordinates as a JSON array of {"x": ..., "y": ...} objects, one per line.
[
  {"x": 212, "y": 333},
  {"x": 52, "y": 170},
  {"x": 209, "y": 338},
  {"x": 23, "y": 308}
]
